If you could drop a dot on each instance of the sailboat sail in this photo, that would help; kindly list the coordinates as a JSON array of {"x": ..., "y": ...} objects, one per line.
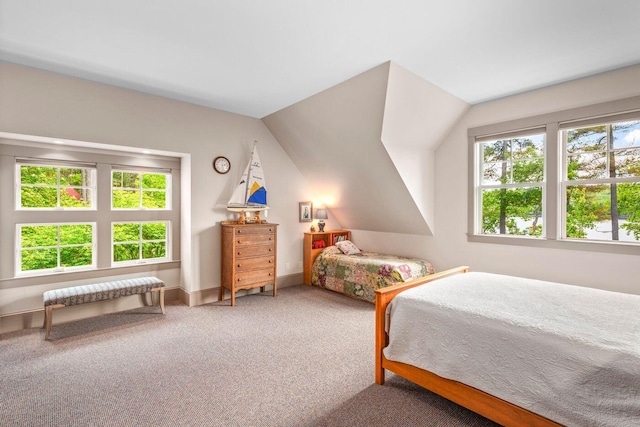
[{"x": 251, "y": 192}]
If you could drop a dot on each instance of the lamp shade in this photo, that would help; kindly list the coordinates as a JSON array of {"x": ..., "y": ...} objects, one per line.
[{"x": 321, "y": 214}]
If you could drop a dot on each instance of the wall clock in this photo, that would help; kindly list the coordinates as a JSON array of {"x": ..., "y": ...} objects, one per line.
[{"x": 221, "y": 164}]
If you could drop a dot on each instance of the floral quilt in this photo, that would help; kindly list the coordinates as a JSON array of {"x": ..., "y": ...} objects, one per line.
[{"x": 359, "y": 275}]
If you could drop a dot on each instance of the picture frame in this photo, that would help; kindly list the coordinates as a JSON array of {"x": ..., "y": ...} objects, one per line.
[{"x": 305, "y": 211}]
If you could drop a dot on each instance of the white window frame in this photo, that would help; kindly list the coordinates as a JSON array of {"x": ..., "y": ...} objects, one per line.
[
  {"x": 479, "y": 174},
  {"x": 553, "y": 194},
  {"x": 58, "y": 268},
  {"x": 565, "y": 183},
  {"x": 91, "y": 168},
  {"x": 140, "y": 241},
  {"x": 141, "y": 190}
]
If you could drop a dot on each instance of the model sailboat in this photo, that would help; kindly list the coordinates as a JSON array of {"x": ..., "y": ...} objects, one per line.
[{"x": 251, "y": 193}]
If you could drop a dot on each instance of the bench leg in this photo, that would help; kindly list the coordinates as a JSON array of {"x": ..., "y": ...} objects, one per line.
[
  {"x": 161, "y": 290},
  {"x": 48, "y": 318}
]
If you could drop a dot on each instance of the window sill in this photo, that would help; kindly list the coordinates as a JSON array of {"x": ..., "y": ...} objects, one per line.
[
  {"x": 572, "y": 245},
  {"x": 34, "y": 280}
]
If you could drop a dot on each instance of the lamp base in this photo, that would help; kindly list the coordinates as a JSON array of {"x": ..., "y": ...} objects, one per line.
[{"x": 321, "y": 226}]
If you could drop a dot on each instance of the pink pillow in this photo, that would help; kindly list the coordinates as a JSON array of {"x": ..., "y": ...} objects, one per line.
[{"x": 347, "y": 247}]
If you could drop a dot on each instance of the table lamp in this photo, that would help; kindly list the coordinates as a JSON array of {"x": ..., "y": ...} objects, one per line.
[{"x": 321, "y": 215}]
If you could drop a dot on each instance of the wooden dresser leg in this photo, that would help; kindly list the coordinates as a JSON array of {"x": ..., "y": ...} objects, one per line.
[
  {"x": 221, "y": 297},
  {"x": 233, "y": 298}
]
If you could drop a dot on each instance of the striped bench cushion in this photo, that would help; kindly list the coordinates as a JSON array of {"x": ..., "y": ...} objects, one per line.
[{"x": 101, "y": 291}]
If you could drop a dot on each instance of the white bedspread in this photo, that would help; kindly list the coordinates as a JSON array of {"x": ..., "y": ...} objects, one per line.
[{"x": 569, "y": 353}]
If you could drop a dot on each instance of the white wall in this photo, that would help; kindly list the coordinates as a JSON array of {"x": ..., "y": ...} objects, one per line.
[
  {"x": 449, "y": 246},
  {"x": 35, "y": 102}
]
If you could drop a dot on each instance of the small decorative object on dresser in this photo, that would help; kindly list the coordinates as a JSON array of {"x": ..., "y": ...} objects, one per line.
[
  {"x": 248, "y": 257},
  {"x": 250, "y": 195}
]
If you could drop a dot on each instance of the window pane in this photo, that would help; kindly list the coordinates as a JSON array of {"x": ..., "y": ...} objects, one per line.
[
  {"x": 33, "y": 236},
  {"x": 153, "y": 250},
  {"x": 496, "y": 173},
  {"x": 75, "y": 197},
  {"x": 154, "y": 181},
  {"x": 154, "y": 199},
  {"x": 512, "y": 211},
  {"x": 126, "y": 199},
  {"x": 587, "y": 166},
  {"x": 528, "y": 170},
  {"x": 126, "y": 232},
  {"x": 626, "y": 134},
  {"x": 38, "y": 197},
  {"x": 154, "y": 231},
  {"x": 627, "y": 162},
  {"x": 130, "y": 180},
  {"x": 74, "y": 177},
  {"x": 126, "y": 252},
  {"x": 38, "y": 175},
  {"x": 516, "y": 160},
  {"x": 604, "y": 212},
  {"x": 39, "y": 259},
  {"x": 587, "y": 139},
  {"x": 76, "y": 234},
  {"x": 76, "y": 256}
]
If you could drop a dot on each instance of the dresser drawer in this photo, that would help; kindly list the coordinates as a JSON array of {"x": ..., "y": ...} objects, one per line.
[
  {"x": 255, "y": 230},
  {"x": 254, "y": 251},
  {"x": 255, "y": 277},
  {"x": 254, "y": 239},
  {"x": 254, "y": 263}
]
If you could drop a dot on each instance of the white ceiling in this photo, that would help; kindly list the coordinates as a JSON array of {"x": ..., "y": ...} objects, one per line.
[{"x": 255, "y": 57}]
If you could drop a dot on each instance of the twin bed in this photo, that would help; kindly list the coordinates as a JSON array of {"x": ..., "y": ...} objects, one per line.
[
  {"x": 517, "y": 351},
  {"x": 359, "y": 273}
]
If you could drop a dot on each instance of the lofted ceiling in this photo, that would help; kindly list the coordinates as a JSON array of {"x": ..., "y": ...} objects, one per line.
[{"x": 257, "y": 57}]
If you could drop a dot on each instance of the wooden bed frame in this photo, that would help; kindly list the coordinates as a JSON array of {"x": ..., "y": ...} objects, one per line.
[{"x": 489, "y": 406}]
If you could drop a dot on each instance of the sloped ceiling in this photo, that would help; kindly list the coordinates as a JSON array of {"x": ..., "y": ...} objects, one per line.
[{"x": 367, "y": 147}]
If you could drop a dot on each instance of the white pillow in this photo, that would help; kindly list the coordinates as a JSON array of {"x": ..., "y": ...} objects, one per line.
[{"x": 347, "y": 247}]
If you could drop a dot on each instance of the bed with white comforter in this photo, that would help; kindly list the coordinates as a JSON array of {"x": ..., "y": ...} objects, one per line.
[{"x": 569, "y": 353}]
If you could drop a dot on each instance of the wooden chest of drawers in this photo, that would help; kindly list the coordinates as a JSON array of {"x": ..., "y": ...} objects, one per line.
[{"x": 248, "y": 257}]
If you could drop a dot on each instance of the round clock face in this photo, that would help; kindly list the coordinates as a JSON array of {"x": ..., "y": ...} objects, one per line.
[{"x": 221, "y": 164}]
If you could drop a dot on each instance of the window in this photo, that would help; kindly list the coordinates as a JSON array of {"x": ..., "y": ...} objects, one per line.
[
  {"x": 137, "y": 242},
  {"x": 511, "y": 177},
  {"x": 85, "y": 210},
  {"x": 139, "y": 190},
  {"x": 601, "y": 184},
  {"x": 566, "y": 180},
  {"x": 44, "y": 186},
  {"x": 55, "y": 247}
]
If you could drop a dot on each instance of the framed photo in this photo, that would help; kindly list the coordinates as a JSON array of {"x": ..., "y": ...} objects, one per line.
[{"x": 306, "y": 211}]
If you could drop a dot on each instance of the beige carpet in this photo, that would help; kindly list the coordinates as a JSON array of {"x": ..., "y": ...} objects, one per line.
[{"x": 304, "y": 358}]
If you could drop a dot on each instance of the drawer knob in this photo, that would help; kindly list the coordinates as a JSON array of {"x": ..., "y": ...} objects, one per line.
[
  {"x": 270, "y": 238},
  {"x": 270, "y": 249},
  {"x": 238, "y": 253},
  {"x": 239, "y": 241},
  {"x": 239, "y": 231},
  {"x": 269, "y": 274},
  {"x": 238, "y": 265},
  {"x": 270, "y": 261},
  {"x": 238, "y": 280}
]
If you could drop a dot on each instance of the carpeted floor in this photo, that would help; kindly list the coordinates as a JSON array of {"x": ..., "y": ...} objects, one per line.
[{"x": 304, "y": 358}]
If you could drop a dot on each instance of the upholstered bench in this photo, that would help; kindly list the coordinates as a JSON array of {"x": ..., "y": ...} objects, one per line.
[{"x": 65, "y": 297}]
